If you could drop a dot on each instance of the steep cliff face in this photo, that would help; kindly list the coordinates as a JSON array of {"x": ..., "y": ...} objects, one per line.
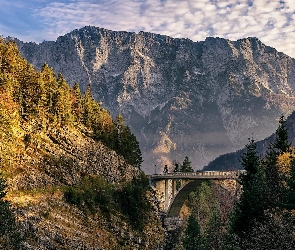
[{"x": 200, "y": 99}]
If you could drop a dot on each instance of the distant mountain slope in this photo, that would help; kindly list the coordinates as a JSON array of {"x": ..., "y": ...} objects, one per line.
[
  {"x": 231, "y": 161},
  {"x": 200, "y": 99}
]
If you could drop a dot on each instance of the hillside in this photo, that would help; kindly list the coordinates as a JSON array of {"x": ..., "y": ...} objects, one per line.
[
  {"x": 231, "y": 160},
  {"x": 200, "y": 99},
  {"x": 65, "y": 183}
]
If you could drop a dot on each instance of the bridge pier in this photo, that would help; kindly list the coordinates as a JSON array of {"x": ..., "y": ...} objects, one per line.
[
  {"x": 174, "y": 187},
  {"x": 166, "y": 193}
]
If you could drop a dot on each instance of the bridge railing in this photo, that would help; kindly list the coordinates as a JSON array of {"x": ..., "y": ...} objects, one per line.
[{"x": 219, "y": 174}]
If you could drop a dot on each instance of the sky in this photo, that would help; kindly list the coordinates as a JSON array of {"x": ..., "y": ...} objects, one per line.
[{"x": 271, "y": 21}]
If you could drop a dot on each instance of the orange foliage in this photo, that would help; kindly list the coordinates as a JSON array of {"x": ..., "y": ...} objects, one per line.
[{"x": 284, "y": 162}]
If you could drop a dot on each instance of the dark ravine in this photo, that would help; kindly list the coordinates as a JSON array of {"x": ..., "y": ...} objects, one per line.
[{"x": 200, "y": 99}]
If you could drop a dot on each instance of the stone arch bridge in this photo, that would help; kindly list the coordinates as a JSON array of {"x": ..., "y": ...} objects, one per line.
[{"x": 171, "y": 200}]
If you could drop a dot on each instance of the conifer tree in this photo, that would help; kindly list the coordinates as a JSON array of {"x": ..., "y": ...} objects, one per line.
[
  {"x": 214, "y": 231},
  {"x": 62, "y": 104},
  {"x": 192, "y": 235},
  {"x": 275, "y": 180},
  {"x": 251, "y": 204},
  {"x": 77, "y": 105},
  {"x": 88, "y": 107},
  {"x": 186, "y": 165},
  {"x": 281, "y": 143},
  {"x": 30, "y": 91},
  {"x": 118, "y": 136},
  {"x": 129, "y": 147},
  {"x": 50, "y": 88}
]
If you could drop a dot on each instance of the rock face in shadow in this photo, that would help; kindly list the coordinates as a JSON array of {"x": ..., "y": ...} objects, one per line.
[{"x": 200, "y": 99}]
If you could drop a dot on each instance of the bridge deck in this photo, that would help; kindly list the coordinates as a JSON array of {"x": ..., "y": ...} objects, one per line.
[{"x": 199, "y": 175}]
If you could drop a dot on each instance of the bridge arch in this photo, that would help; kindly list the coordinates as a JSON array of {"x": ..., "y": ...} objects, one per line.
[{"x": 180, "y": 197}]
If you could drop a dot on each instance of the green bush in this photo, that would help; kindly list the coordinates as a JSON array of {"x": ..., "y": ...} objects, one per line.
[
  {"x": 93, "y": 192},
  {"x": 133, "y": 201}
]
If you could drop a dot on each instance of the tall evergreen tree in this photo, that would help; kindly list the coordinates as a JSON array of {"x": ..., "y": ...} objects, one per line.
[
  {"x": 62, "y": 104},
  {"x": 186, "y": 165},
  {"x": 77, "y": 104},
  {"x": 275, "y": 179},
  {"x": 50, "y": 88},
  {"x": 251, "y": 204},
  {"x": 129, "y": 148},
  {"x": 88, "y": 107},
  {"x": 192, "y": 235},
  {"x": 281, "y": 143}
]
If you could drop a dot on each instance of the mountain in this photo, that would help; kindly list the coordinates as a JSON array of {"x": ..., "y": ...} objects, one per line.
[
  {"x": 231, "y": 160},
  {"x": 200, "y": 99}
]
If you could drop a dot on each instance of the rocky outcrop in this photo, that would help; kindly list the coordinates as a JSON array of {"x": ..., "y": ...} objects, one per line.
[
  {"x": 62, "y": 156},
  {"x": 200, "y": 99}
]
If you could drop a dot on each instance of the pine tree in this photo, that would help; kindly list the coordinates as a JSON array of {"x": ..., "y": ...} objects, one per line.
[
  {"x": 186, "y": 165},
  {"x": 119, "y": 124},
  {"x": 129, "y": 148},
  {"x": 251, "y": 204},
  {"x": 192, "y": 236},
  {"x": 214, "y": 231},
  {"x": 62, "y": 103},
  {"x": 77, "y": 105},
  {"x": 281, "y": 143},
  {"x": 50, "y": 88},
  {"x": 88, "y": 108},
  {"x": 30, "y": 91},
  {"x": 275, "y": 179}
]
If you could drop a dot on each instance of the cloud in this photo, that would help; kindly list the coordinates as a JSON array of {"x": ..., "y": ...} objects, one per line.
[{"x": 271, "y": 21}]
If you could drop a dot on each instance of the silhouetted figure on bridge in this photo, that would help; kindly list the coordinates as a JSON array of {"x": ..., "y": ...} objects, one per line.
[{"x": 165, "y": 171}]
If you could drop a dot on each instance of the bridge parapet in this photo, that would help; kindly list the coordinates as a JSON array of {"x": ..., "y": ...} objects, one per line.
[{"x": 198, "y": 175}]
